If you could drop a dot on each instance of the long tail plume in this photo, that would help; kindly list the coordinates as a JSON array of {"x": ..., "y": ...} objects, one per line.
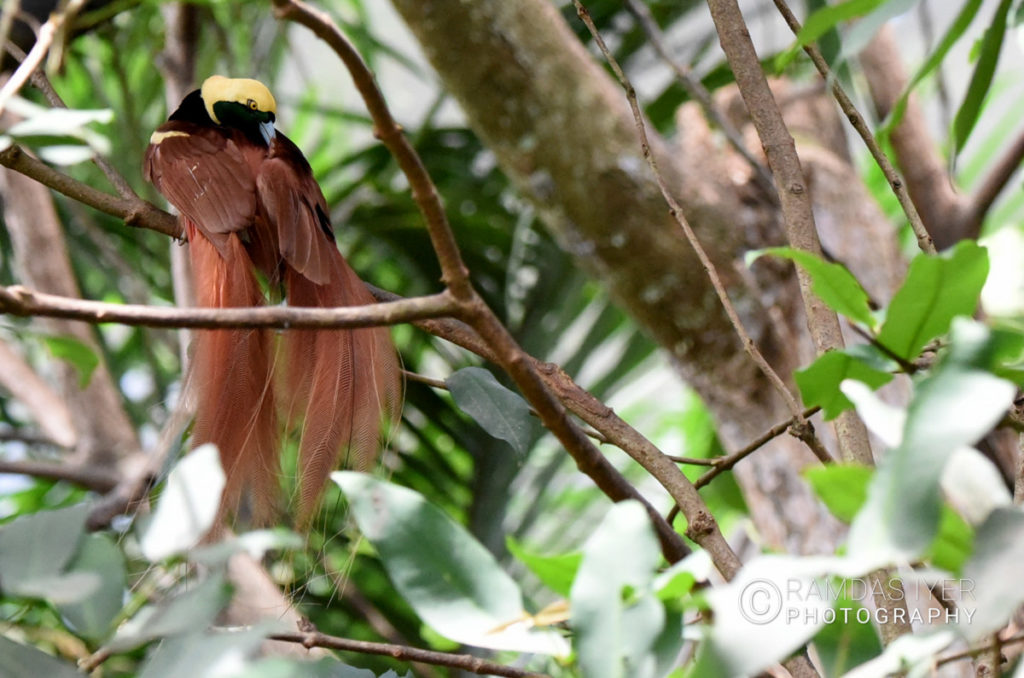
[
  {"x": 342, "y": 385},
  {"x": 231, "y": 379}
]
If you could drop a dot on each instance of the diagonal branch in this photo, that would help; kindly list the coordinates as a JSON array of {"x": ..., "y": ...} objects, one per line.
[
  {"x": 475, "y": 312},
  {"x": 135, "y": 212},
  {"x": 896, "y": 183}
]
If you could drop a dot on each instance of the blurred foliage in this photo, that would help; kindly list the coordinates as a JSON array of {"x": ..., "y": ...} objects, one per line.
[{"x": 536, "y": 518}]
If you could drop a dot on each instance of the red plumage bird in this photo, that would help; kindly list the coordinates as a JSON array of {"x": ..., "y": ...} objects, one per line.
[{"x": 250, "y": 207}]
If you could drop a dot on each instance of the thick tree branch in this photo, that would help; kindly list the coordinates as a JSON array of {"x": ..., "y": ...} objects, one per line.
[
  {"x": 928, "y": 183},
  {"x": 91, "y": 478},
  {"x": 793, "y": 193}
]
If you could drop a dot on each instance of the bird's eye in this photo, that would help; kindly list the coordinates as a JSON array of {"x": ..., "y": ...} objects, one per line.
[{"x": 251, "y": 103}]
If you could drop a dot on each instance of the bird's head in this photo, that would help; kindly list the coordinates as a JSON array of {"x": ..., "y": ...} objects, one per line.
[{"x": 241, "y": 103}]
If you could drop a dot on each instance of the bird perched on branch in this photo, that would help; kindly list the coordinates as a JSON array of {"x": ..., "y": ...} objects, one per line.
[{"x": 254, "y": 217}]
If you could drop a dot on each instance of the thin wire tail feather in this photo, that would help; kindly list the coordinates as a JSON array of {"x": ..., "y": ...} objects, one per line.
[
  {"x": 231, "y": 378},
  {"x": 341, "y": 386}
]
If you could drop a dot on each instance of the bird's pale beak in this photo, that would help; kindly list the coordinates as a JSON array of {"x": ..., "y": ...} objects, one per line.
[{"x": 267, "y": 130}]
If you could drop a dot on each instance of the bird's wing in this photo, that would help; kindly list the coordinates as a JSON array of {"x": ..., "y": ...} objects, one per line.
[
  {"x": 205, "y": 175},
  {"x": 293, "y": 204}
]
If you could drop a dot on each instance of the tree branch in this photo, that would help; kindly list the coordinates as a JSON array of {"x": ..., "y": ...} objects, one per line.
[
  {"x": 924, "y": 240},
  {"x": 472, "y": 309},
  {"x": 402, "y": 652},
  {"x": 21, "y": 301},
  {"x": 135, "y": 212},
  {"x": 91, "y": 478},
  {"x": 801, "y": 232}
]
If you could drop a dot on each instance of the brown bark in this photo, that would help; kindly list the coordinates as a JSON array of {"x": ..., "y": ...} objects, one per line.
[
  {"x": 105, "y": 434},
  {"x": 563, "y": 132}
]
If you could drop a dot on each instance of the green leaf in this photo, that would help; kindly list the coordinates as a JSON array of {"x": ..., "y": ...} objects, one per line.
[
  {"x": 824, "y": 20},
  {"x": 26, "y": 557},
  {"x": 843, "y": 488},
  {"x": 861, "y": 33},
  {"x": 953, "y": 545},
  {"x": 19, "y": 661},
  {"x": 819, "y": 382},
  {"x": 92, "y": 617},
  {"x": 953, "y": 34},
  {"x": 193, "y": 608},
  {"x": 833, "y": 283},
  {"x": 845, "y": 642},
  {"x": 936, "y": 290},
  {"x": 952, "y": 407},
  {"x": 202, "y": 654},
  {"x": 502, "y": 413},
  {"x": 981, "y": 80},
  {"x": 994, "y": 570},
  {"x": 76, "y": 352},
  {"x": 616, "y": 620},
  {"x": 453, "y": 582},
  {"x": 556, "y": 572},
  {"x": 187, "y": 506}
]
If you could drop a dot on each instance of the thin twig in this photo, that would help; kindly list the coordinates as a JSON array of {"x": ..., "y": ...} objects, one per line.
[
  {"x": 124, "y": 189},
  {"x": 404, "y": 653},
  {"x": 424, "y": 379},
  {"x": 696, "y": 89},
  {"x": 32, "y": 61},
  {"x": 899, "y": 188},
  {"x": 21, "y": 301},
  {"x": 677, "y": 213},
  {"x": 725, "y": 463},
  {"x": 979, "y": 650},
  {"x": 29, "y": 439}
]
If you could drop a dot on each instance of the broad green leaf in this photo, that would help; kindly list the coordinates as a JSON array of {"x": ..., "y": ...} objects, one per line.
[
  {"x": 202, "y": 654},
  {"x": 819, "y": 382},
  {"x": 279, "y": 667},
  {"x": 845, "y": 642},
  {"x": 994, "y": 570},
  {"x": 952, "y": 407},
  {"x": 448, "y": 577},
  {"x": 194, "y": 608},
  {"x": 79, "y": 354},
  {"x": 502, "y": 413},
  {"x": 861, "y": 33},
  {"x": 556, "y": 572},
  {"x": 953, "y": 34},
  {"x": 20, "y": 661},
  {"x": 92, "y": 617},
  {"x": 981, "y": 80},
  {"x": 953, "y": 545},
  {"x": 616, "y": 620},
  {"x": 906, "y": 655},
  {"x": 843, "y": 488},
  {"x": 188, "y": 505},
  {"x": 25, "y": 556},
  {"x": 937, "y": 289},
  {"x": 833, "y": 283}
]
